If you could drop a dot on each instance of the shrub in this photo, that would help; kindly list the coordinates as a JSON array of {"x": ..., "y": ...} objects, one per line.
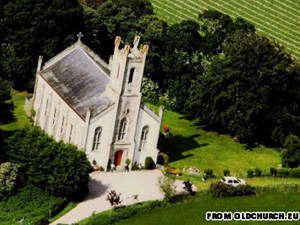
[
  {"x": 188, "y": 186},
  {"x": 58, "y": 168},
  {"x": 273, "y": 171},
  {"x": 290, "y": 157},
  {"x": 114, "y": 198},
  {"x": 163, "y": 157},
  {"x": 166, "y": 185},
  {"x": 9, "y": 179},
  {"x": 250, "y": 173},
  {"x": 295, "y": 173},
  {"x": 149, "y": 163},
  {"x": 283, "y": 172},
  {"x": 208, "y": 173},
  {"x": 226, "y": 172},
  {"x": 257, "y": 172},
  {"x": 219, "y": 189}
]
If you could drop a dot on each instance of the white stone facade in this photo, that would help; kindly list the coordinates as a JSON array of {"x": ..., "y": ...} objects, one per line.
[{"x": 80, "y": 99}]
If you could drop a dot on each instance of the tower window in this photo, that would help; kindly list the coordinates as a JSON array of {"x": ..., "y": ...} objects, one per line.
[
  {"x": 122, "y": 129},
  {"x": 131, "y": 75},
  {"x": 144, "y": 136},
  {"x": 96, "y": 141}
]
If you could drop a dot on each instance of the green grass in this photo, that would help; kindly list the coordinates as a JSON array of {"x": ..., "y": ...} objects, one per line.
[
  {"x": 21, "y": 119},
  {"x": 66, "y": 209},
  {"x": 191, "y": 211},
  {"x": 191, "y": 146},
  {"x": 278, "y": 19}
]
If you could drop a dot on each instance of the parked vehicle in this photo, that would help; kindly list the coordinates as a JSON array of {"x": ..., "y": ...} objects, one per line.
[{"x": 233, "y": 181}]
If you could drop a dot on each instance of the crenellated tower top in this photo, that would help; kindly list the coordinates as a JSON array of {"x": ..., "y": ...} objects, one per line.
[{"x": 127, "y": 66}]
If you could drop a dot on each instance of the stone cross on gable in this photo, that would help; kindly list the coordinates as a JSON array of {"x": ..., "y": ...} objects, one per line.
[{"x": 79, "y": 35}]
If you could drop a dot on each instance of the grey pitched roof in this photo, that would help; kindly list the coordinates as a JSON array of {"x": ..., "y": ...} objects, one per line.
[{"x": 79, "y": 80}]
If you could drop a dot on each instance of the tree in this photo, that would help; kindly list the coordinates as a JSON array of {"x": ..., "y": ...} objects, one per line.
[
  {"x": 6, "y": 107},
  {"x": 153, "y": 31},
  {"x": 216, "y": 27},
  {"x": 31, "y": 28},
  {"x": 58, "y": 168},
  {"x": 113, "y": 18},
  {"x": 290, "y": 156},
  {"x": 248, "y": 91},
  {"x": 181, "y": 60}
]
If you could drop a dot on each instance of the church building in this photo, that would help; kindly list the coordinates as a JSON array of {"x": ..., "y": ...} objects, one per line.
[{"x": 80, "y": 99}]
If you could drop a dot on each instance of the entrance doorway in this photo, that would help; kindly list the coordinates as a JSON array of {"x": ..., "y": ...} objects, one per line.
[{"x": 118, "y": 158}]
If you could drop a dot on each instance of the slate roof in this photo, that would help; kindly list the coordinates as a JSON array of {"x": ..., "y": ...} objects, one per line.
[{"x": 80, "y": 81}]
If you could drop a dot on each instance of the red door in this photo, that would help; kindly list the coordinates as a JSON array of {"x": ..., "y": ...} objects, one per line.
[{"x": 118, "y": 158}]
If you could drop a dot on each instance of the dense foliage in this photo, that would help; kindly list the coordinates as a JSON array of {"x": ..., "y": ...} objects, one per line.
[
  {"x": 58, "y": 168},
  {"x": 6, "y": 107},
  {"x": 219, "y": 189},
  {"x": 30, "y": 205},
  {"x": 251, "y": 91},
  {"x": 149, "y": 163},
  {"x": 9, "y": 179},
  {"x": 30, "y": 28},
  {"x": 215, "y": 69},
  {"x": 291, "y": 152}
]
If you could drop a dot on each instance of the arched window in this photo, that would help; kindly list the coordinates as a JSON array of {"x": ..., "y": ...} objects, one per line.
[
  {"x": 131, "y": 75},
  {"x": 122, "y": 129},
  {"x": 96, "y": 141},
  {"x": 144, "y": 136}
]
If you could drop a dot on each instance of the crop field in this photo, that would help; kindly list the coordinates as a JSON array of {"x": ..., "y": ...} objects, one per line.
[{"x": 277, "y": 19}]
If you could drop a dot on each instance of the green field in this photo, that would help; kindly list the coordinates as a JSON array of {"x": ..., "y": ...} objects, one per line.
[
  {"x": 189, "y": 145},
  {"x": 192, "y": 211},
  {"x": 21, "y": 119},
  {"x": 278, "y": 19}
]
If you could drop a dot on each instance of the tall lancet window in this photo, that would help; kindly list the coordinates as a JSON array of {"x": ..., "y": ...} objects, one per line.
[
  {"x": 122, "y": 129},
  {"x": 144, "y": 137},
  {"x": 130, "y": 79},
  {"x": 97, "y": 136}
]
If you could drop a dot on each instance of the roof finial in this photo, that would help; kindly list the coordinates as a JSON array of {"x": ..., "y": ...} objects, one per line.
[
  {"x": 79, "y": 35},
  {"x": 136, "y": 41}
]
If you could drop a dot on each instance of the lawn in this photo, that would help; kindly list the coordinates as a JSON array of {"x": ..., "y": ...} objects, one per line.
[
  {"x": 191, "y": 146},
  {"x": 192, "y": 210},
  {"x": 21, "y": 119}
]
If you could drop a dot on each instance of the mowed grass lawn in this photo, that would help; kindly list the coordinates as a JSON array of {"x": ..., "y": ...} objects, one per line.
[
  {"x": 192, "y": 212},
  {"x": 21, "y": 119},
  {"x": 191, "y": 146}
]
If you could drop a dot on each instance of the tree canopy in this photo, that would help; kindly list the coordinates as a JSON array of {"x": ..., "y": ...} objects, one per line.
[
  {"x": 58, "y": 168},
  {"x": 251, "y": 90},
  {"x": 30, "y": 28}
]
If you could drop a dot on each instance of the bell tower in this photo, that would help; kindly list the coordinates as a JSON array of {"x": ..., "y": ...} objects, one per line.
[{"x": 127, "y": 69}]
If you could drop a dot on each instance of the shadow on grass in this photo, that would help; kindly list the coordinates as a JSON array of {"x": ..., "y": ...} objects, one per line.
[
  {"x": 174, "y": 146},
  {"x": 7, "y": 113}
]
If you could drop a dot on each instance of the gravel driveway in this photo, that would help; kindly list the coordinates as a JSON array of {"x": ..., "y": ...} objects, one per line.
[{"x": 144, "y": 184}]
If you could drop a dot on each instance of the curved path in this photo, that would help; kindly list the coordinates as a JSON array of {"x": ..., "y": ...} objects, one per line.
[{"x": 143, "y": 184}]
